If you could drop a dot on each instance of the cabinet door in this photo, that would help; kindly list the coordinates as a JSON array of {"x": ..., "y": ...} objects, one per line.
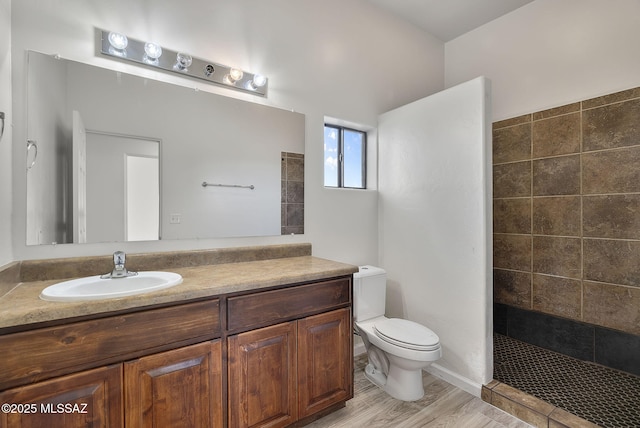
[
  {"x": 178, "y": 388},
  {"x": 325, "y": 361},
  {"x": 262, "y": 377},
  {"x": 86, "y": 399}
]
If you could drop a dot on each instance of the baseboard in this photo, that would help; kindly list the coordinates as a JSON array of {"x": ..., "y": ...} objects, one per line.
[{"x": 455, "y": 379}]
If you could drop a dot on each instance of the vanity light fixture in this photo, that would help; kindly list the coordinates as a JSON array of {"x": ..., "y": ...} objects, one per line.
[
  {"x": 118, "y": 44},
  {"x": 183, "y": 62},
  {"x": 258, "y": 82},
  {"x": 152, "y": 54},
  {"x": 152, "y": 51},
  {"x": 233, "y": 76}
]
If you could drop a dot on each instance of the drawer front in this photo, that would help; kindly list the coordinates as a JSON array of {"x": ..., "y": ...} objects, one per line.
[
  {"x": 270, "y": 307},
  {"x": 40, "y": 354}
]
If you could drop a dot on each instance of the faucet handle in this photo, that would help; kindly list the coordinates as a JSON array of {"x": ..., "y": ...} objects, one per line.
[
  {"x": 119, "y": 270},
  {"x": 119, "y": 258}
]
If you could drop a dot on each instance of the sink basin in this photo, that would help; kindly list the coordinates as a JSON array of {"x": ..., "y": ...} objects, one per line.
[{"x": 96, "y": 288}]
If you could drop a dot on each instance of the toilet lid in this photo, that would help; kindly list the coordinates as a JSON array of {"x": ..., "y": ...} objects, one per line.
[{"x": 407, "y": 334}]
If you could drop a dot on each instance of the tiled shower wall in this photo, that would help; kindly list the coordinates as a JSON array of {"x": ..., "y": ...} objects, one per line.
[
  {"x": 567, "y": 217},
  {"x": 292, "y": 193}
]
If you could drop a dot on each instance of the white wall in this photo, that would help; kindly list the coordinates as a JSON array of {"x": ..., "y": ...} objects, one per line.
[
  {"x": 106, "y": 172},
  {"x": 435, "y": 193},
  {"x": 550, "y": 53},
  {"x": 6, "y": 250},
  {"x": 332, "y": 58}
]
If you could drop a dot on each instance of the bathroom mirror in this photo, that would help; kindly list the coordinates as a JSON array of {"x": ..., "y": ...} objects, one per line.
[{"x": 117, "y": 157}]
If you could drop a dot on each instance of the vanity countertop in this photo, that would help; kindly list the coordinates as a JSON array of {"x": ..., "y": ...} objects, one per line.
[{"x": 21, "y": 306}]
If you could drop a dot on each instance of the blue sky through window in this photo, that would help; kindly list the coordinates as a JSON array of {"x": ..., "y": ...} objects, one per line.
[
  {"x": 353, "y": 157},
  {"x": 352, "y": 145},
  {"x": 330, "y": 157}
]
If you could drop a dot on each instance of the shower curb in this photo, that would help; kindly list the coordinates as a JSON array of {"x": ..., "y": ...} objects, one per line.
[{"x": 530, "y": 409}]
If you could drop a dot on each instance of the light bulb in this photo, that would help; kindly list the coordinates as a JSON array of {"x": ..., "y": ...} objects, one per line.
[
  {"x": 118, "y": 41},
  {"x": 152, "y": 50},
  {"x": 235, "y": 74},
  {"x": 183, "y": 61},
  {"x": 259, "y": 80}
]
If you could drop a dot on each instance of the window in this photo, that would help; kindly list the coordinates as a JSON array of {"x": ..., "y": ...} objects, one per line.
[{"x": 344, "y": 157}]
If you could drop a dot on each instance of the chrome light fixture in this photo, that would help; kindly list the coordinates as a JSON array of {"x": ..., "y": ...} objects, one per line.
[
  {"x": 120, "y": 46},
  {"x": 183, "y": 62},
  {"x": 152, "y": 51}
]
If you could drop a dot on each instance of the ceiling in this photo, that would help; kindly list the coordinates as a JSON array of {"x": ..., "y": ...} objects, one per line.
[{"x": 448, "y": 19}]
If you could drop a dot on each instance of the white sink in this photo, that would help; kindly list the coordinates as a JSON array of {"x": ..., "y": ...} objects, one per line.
[{"x": 96, "y": 288}]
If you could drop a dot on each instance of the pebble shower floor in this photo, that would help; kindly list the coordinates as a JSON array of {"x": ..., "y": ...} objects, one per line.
[{"x": 606, "y": 397}]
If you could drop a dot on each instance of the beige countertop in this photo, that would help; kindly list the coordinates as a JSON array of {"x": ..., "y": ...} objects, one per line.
[{"x": 22, "y": 306}]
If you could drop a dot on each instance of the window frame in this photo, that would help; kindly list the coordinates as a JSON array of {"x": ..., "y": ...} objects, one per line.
[{"x": 340, "y": 156}]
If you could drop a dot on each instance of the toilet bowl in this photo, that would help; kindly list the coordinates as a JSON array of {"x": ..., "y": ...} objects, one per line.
[{"x": 398, "y": 349}]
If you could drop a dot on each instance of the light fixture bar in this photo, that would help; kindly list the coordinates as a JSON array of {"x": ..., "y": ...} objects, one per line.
[{"x": 153, "y": 55}]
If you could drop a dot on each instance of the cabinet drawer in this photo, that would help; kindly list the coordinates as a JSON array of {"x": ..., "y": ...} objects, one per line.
[
  {"x": 40, "y": 354},
  {"x": 269, "y": 307}
]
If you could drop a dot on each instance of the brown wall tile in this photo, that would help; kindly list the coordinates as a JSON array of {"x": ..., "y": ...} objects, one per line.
[
  {"x": 295, "y": 214},
  {"x": 512, "y": 215},
  {"x": 518, "y": 120},
  {"x": 512, "y": 288},
  {"x": 611, "y": 171},
  {"x": 512, "y": 180},
  {"x": 556, "y": 215},
  {"x": 612, "y": 306},
  {"x": 612, "y": 261},
  {"x": 512, "y": 143},
  {"x": 557, "y": 111},
  {"x": 612, "y": 216},
  {"x": 557, "y": 296},
  {"x": 611, "y": 126},
  {"x": 295, "y": 168},
  {"x": 557, "y": 256},
  {"x": 583, "y": 209},
  {"x": 512, "y": 252},
  {"x": 556, "y": 176},
  {"x": 558, "y": 135},
  {"x": 295, "y": 192},
  {"x": 611, "y": 98},
  {"x": 292, "y": 193}
]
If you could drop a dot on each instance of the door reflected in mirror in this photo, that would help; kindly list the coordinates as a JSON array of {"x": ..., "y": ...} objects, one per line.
[{"x": 88, "y": 186}]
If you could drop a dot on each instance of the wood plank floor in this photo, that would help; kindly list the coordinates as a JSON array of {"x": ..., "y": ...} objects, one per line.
[{"x": 443, "y": 405}]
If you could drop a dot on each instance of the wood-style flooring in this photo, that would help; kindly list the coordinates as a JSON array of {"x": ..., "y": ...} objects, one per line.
[{"x": 443, "y": 405}]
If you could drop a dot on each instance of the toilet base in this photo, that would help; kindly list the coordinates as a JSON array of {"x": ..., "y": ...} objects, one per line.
[
  {"x": 375, "y": 376},
  {"x": 405, "y": 385}
]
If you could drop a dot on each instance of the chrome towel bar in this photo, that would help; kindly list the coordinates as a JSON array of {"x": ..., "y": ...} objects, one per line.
[{"x": 251, "y": 186}]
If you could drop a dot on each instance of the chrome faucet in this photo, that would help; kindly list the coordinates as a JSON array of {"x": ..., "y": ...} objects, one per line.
[{"x": 119, "y": 270}]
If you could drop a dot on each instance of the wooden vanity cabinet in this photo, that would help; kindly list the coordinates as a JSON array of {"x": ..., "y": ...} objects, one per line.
[
  {"x": 325, "y": 361},
  {"x": 105, "y": 362},
  {"x": 267, "y": 358},
  {"x": 262, "y": 377},
  {"x": 288, "y": 372},
  {"x": 175, "y": 389},
  {"x": 88, "y": 399}
]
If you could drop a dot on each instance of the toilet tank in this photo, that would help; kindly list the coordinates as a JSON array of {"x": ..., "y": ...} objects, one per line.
[{"x": 369, "y": 292}]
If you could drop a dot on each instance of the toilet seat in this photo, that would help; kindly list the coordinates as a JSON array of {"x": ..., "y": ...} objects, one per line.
[{"x": 407, "y": 334}]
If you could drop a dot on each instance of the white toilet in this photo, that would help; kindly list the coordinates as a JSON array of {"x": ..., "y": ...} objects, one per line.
[{"x": 398, "y": 349}]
